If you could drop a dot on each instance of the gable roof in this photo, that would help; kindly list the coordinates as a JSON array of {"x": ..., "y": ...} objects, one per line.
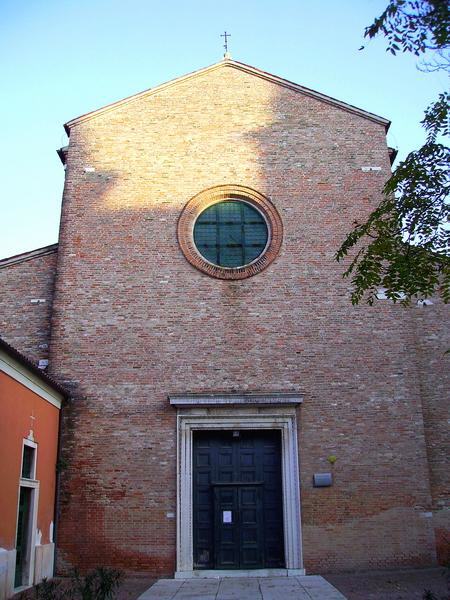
[
  {"x": 24, "y": 256},
  {"x": 28, "y": 365},
  {"x": 228, "y": 63}
]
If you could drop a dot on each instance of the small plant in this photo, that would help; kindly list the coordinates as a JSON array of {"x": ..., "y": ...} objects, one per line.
[
  {"x": 52, "y": 589},
  {"x": 99, "y": 584},
  {"x": 428, "y": 595}
]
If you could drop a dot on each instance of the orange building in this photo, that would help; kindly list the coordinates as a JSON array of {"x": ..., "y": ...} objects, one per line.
[{"x": 30, "y": 403}]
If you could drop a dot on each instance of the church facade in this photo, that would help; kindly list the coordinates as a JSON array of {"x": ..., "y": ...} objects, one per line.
[{"x": 230, "y": 408}]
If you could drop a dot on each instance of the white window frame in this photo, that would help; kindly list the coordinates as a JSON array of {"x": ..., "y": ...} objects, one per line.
[{"x": 29, "y": 443}]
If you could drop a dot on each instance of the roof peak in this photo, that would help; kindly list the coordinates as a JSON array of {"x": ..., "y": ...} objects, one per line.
[{"x": 227, "y": 61}]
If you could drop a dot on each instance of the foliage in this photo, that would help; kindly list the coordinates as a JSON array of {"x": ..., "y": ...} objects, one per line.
[
  {"x": 100, "y": 584},
  {"x": 47, "y": 590},
  {"x": 413, "y": 25},
  {"x": 407, "y": 238}
]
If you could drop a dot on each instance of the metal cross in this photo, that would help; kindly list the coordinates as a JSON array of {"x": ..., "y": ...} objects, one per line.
[{"x": 225, "y": 35}]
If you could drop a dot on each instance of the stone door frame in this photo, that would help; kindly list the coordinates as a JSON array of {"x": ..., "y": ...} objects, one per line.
[{"x": 238, "y": 412}]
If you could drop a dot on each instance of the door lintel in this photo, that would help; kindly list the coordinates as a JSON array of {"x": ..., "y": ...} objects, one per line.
[{"x": 247, "y": 399}]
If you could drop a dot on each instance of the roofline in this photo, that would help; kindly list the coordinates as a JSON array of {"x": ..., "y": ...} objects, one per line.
[
  {"x": 28, "y": 364},
  {"x": 242, "y": 67},
  {"x": 24, "y": 256},
  {"x": 392, "y": 154},
  {"x": 62, "y": 153}
]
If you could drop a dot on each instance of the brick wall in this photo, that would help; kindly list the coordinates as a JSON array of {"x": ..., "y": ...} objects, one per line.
[
  {"x": 432, "y": 343},
  {"x": 133, "y": 321},
  {"x": 26, "y": 295}
]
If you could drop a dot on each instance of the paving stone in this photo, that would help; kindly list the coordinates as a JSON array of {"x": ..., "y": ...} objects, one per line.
[
  {"x": 319, "y": 588},
  {"x": 282, "y": 588},
  {"x": 310, "y": 587},
  {"x": 239, "y": 587},
  {"x": 194, "y": 589},
  {"x": 164, "y": 589}
]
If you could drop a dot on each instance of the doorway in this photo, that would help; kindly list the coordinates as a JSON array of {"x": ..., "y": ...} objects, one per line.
[
  {"x": 237, "y": 500},
  {"x": 23, "y": 538}
]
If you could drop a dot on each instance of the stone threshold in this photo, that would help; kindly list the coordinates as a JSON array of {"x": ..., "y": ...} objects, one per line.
[{"x": 222, "y": 573}]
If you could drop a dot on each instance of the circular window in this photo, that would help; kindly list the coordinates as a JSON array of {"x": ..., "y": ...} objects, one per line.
[{"x": 230, "y": 232}]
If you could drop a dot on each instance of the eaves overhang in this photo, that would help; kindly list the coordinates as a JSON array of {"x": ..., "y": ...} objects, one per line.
[
  {"x": 28, "y": 366},
  {"x": 62, "y": 153},
  {"x": 392, "y": 154},
  {"x": 30, "y": 255}
]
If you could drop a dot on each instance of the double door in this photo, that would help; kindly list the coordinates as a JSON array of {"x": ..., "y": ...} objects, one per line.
[{"x": 238, "y": 521}]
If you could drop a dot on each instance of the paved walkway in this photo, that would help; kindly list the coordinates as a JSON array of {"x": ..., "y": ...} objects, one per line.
[{"x": 311, "y": 587}]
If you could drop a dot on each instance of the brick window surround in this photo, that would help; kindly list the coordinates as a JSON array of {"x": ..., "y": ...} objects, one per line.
[{"x": 206, "y": 198}]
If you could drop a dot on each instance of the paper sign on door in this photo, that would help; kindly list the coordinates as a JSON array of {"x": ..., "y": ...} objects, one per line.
[{"x": 226, "y": 516}]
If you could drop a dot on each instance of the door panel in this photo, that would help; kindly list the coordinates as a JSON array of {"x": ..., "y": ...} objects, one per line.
[
  {"x": 251, "y": 527},
  {"x": 238, "y": 527},
  {"x": 226, "y": 528}
]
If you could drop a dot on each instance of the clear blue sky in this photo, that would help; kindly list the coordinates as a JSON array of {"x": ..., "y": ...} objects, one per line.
[{"x": 62, "y": 58}]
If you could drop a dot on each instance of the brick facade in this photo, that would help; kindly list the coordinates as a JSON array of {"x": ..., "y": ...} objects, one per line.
[
  {"x": 432, "y": 341},
  {"x": 134, "y": 321},
  {"x": 26, "y": 284}
]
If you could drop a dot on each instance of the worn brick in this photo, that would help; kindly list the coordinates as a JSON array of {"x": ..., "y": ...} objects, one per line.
[{"x": 26, "y": 296}]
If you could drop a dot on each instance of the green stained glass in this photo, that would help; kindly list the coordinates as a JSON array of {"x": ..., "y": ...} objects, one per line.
[{"x": 230, "y": 233}]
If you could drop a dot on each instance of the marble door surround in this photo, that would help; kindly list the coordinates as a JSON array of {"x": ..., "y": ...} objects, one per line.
[{"x": 237, "y": 412}]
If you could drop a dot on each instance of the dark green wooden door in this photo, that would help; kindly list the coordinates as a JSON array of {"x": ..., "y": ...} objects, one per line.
[
  {"x": 22, "y": 538},
  {"x": 238, "y": 519},
  {"x": 238, "y": 531}
]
